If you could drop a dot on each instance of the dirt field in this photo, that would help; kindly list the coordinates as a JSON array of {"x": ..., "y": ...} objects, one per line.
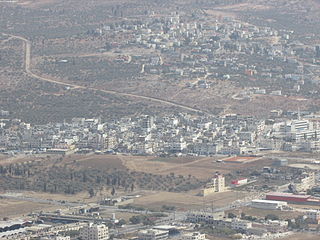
[
  {"x": 74, "y": 198},
  {"x": 6, "y": 159},
  {"x": 95, "y": 161},
  {"x": 185, "y": 201},
  {"x": 302, "y": 236},
  {"x": 243, "y": 7},
  {"x": 305, "y": 206},
  {"x": 241, "y": 159},
  {"x": 11, "y": 208},
  {"x": 200, "y": 167},
  {"x": 304, "y": 166}
]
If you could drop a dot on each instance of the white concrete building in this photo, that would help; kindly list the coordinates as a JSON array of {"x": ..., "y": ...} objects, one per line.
[
  {"x": 193, "y": 236},
  {"x": 313, "y": 216},
  {"x": 276, "y": 226},
  {"x": 153, "y": 234},
  {"x": 217, "y": 184},
  {"x": 306, "y": 181},
  {"x": 94, "y": 232},
  {"x": 268, "y": 204},
  {"x": 204, "y": 217},
  {"x": 239, "y": 224},
  {"x": 62, "y": 238},
  {"x": 205, "y": 148},
  {"x": 298, "y": 130}
]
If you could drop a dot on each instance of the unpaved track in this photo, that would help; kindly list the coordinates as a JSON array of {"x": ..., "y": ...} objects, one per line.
[{"x": 75, "y": 86}]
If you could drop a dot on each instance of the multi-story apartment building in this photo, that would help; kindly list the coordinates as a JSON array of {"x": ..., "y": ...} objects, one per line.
[
  {"x": 153, "y": 234},
  {"x": 94, "y": 232},
  {"x": 193, "y": 236},
  {"x": 217, "y": 184}
]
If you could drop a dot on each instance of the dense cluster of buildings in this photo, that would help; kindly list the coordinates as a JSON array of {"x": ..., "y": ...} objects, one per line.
[
  {"x": 98, "y": 231},
  {"x": 295, "y": 135},
  {"x": 218, "y": 219},
  {"x": 180, "y": 134}
]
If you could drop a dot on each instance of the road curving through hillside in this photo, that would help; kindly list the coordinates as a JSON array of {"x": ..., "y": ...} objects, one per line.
[{"x": 28, "y": 70}]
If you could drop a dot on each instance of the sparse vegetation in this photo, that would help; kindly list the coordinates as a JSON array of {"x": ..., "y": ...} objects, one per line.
[{"x": 49, "y": 176}]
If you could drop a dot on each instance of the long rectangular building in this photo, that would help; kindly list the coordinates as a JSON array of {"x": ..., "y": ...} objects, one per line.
[
  {"x": 287, "y": 197},
  {"x": 268, "y": 204}
]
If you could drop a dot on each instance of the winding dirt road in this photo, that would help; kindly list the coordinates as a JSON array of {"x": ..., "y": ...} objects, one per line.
[{"x": 75, "y": 86}]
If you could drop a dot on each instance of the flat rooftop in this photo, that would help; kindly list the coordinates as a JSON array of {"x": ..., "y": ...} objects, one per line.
[{"x": 280, "y": 194}]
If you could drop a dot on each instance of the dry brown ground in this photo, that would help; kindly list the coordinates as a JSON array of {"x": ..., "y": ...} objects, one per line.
[
  {"x": 11, "y": 208},
  {"x": 303, "y": 166},
  {"x": 200, "y": 167},
  {"x": 15, "y": 208},
  {"x": 262, "y": 105},
  {"x": 216, "y": 238},
  {"x": 243, "y": 7},
  {"x": 94, "y": 161},
  {"x": 43, "y": 3},
  {"x": 36, "y": 3},
  {"x": 188, "y": 200},
  {"x": 6, "y": 160},
  {"x": 60, "y": 197},
  {"x": 81, "y": 197},
  {"x": 302, "y": 236},
  {"x": 305, "y": 206}
]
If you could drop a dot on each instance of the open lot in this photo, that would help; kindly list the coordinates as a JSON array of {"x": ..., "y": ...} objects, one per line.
[
  {"x": 185, "y": 201},
  {"x": 241, "y": 159},
  {"x": 94, "y": 161},
  {"x": 7, "y": 159},
  {"x": 11, "y": 208},
  {"x": 200, "y": 167},
  {"x": 300, "y": 236},
  {"x": 306, "y": 166}
]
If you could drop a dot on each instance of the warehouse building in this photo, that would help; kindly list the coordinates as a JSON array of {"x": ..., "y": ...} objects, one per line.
[
  {"x": 287, "y": 197},
  {"x": 268, "y": 204},
  {"x": 293, "y": 198}
]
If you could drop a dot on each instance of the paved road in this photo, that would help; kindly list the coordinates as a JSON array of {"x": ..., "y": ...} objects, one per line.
[{"x": 75, "y": 86}]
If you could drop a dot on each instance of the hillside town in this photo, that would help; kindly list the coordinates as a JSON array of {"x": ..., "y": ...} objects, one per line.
[
  {"x": 159, "y": 120},
  {"x": 179, "y": 135},
  {"x": 279, "y": 188},
  {"x": 204, "y": 50}
]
